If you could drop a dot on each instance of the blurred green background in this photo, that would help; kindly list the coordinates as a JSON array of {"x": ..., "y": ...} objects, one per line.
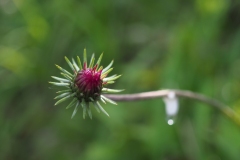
[{"x": 180, "y": 44}]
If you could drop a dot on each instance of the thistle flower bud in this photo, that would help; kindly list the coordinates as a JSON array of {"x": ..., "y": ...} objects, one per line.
[
  {"x": 89, "y": 83},
  {"x": 85, "y": 85}
]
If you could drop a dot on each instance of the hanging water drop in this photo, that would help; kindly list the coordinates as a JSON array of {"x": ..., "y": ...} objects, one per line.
[
  {"x": 171, "y": 106},
  {"x": 170, "y": 122}
]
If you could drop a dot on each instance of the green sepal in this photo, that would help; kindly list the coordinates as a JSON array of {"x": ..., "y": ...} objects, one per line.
[
  {"x": 85, "y": 56},
  {"x": 91, "y": 99},
  {"x": 70, "y": 64},
  {"x": 75, "y": 65},
  {"x": 100, "y": 107},
  {"x": 64, "y": 99},
  {"x": 109, "y": 66},
  {"x": 84, "y": 106},
  {"x": 91, "y": 61},
  {"x": 79, "y": 63},
  {"x": 88, "y": 110},
  {"x": 96, "y": 107},
  {"x": 99, "y": 60},
  {"x": 102, "y": 100},
  {"x": 67, "y": 76},
  {"x": 112, "y": 78},
  {"x": 63, "y": 91},
  {"x": 62, "y": 95},
  {"x": 71, "y": 103},
  {"x": 75, "y": 110},
  {"x": 108, "y": 90},
  {"x": 100, "y": 68},
  {"x": 110, "y": 82},
  {"x": 60, "y": 79},
  {"x": 59, "y": 84},
  {"x": 108, "y": 100},
  {"x": 64, "y": 71},
  {"x": 105, "y": 73}
]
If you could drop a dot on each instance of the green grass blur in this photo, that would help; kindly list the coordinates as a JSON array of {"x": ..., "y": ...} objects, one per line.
[{"x": 180, "y": 44}]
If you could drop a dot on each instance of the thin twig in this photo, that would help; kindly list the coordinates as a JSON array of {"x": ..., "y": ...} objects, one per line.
[{"x": 179, "y": 93}]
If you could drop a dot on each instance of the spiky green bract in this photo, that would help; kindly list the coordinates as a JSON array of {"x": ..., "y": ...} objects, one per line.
[{"x": 85, "y": 85}]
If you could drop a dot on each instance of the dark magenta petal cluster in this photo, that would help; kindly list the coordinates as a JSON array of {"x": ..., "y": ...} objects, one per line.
[{"x": 89, "y": 82}]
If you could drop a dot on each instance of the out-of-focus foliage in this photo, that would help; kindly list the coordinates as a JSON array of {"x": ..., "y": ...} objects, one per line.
[{"x": 179, "y": 44}]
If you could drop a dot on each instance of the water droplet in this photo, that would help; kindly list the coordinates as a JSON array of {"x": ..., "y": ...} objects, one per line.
[
  {"x": 171, "y": 107},
  {"x": 170, "y": 122}
]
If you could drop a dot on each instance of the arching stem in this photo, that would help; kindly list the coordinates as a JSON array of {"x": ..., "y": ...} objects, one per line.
[{"x": 231, "y": 114}]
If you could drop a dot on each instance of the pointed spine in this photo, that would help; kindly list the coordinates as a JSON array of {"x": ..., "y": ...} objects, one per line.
[
  {"x": 108, "y": 90},
  {"x": 108, "y": 100},
  {"x": 60, "y": 79},
  {"x": 100, "y": 108},
  {"x": 64, "y": 71},
  {"x": 67, "y": 76},
  {"x": 109, "y": 66},
  {"x": 73, "y": 102},
  {"x": 75, "y": 110},
  {"x": 75, "y": 65},
  {"x": 112, "y": 78},
  {"x": 70, "y": 64},
  {"x": 92, "y": 61},
  {"x": 79, "y": 63},
  {"x": 59, "y": 84},
  {"x": 64, "y": 99},
  {"x": 99, "y": 60},
  {"x": 85, "y": 57}
]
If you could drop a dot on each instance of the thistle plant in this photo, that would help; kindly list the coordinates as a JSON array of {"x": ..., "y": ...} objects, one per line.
[{"x": 85, "y": 85}]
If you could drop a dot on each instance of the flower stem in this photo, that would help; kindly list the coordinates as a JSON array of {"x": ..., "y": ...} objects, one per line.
[{"x": 227, "y": 111}]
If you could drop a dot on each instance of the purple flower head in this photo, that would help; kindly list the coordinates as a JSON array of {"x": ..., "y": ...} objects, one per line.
[
  {"x": 89, "y": 82},
  {"x": 85, "y": 85}
]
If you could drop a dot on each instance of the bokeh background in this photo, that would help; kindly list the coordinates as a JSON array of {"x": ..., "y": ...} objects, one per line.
[{"x": 180, "y": 44}]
